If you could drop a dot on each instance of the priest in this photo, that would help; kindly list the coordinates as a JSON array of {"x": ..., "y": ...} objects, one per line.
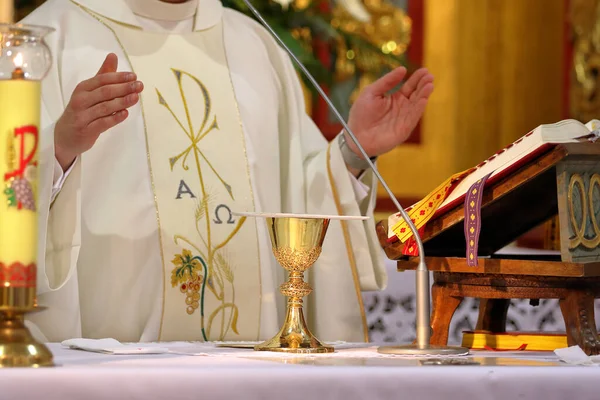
[{"x": 162, "y": 118}]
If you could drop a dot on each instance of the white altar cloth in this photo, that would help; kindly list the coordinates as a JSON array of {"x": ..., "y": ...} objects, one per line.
[{"x": 353, "y": 372}]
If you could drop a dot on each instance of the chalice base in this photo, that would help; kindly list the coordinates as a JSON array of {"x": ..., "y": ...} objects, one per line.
[
  {"x": 429, "y": 350},
  {"x": 294, "y": 336},
  {"x": 18, "y": 348}
]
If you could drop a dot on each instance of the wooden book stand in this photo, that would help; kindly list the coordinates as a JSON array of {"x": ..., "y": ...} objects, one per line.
[{"x": 565, "y": 181}]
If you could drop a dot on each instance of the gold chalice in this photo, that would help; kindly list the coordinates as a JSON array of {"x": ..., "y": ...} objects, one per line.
[{"x": 296, "y": 240}]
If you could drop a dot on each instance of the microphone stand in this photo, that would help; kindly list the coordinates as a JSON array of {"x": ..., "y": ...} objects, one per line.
[{"x": 423, "y": 328}]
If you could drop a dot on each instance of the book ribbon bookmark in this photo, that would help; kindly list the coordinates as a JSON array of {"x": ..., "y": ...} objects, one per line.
[{"x": 472, "y": 222}]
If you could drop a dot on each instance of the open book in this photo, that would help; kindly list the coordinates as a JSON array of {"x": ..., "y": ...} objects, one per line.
[{"x": 510, "y": 158}]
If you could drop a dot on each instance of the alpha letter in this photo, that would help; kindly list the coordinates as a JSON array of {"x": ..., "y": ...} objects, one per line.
[{"x": 184, "y": 189}]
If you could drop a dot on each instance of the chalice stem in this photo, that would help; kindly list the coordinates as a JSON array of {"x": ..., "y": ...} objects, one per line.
[
  {"x": 294, "y": 336},
  {"x": 294, "y": 323}
]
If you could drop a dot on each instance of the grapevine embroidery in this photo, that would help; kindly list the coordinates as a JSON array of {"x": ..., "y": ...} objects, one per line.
[{"x": 186, "y": 274}]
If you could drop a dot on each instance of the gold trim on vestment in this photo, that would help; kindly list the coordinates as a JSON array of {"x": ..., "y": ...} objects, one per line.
[
  {"x": 239, "y": 117},
  {"x": 348, "y": 243}
]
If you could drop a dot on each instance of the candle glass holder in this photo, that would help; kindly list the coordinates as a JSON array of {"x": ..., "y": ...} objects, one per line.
[{"x": 25, "y": 60}]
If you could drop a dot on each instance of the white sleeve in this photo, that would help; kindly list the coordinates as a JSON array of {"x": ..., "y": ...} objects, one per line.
[
  {"x": 59, "y": 178},
  {"x": 361, "y": 190},
  {"x": 59, "y": 198}
]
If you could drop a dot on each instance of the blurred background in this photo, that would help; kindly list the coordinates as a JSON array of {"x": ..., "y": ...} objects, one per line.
[{"x": 501, "y": 67}]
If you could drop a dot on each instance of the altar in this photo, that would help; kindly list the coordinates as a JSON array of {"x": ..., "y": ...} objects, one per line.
[{"x": 352, "y": 372}]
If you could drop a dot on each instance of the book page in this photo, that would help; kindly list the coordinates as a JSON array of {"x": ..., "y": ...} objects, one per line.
[{"x": 562, "y": 132}]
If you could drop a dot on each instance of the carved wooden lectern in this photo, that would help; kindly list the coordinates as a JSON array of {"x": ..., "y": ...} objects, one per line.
[{"x": 565, "y": 180}]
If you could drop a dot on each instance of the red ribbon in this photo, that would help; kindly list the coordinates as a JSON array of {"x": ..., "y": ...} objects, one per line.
[{"x": 520, "y": 348}]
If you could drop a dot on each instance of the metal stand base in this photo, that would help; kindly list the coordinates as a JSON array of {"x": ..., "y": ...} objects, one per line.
[
  {"x": 18, "y": 348},
  {"x": 414, "y": 350}
]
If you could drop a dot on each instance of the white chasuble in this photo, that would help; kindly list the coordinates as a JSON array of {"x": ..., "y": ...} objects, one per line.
[{"x": 200, "y": 174}]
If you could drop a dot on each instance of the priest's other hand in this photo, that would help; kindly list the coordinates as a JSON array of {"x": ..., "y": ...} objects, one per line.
[
  {"x": 382, "y": 120},
  {"x": 96, "y": 105}
]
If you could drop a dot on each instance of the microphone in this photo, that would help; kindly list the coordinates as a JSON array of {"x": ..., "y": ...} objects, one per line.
[{"x": 423, "y": 328}]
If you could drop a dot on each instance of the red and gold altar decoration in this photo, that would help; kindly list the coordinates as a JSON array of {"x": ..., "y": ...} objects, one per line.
[{"x": 388, "y": 28}]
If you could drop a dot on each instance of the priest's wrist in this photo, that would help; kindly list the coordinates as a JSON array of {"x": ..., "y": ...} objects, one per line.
[
  {"x": 64, "y": 158},
  {"x": 355, "y": 163}
]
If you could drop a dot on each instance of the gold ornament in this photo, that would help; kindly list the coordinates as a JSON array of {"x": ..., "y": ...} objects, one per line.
[
  {"x": 585, "y": 78},
  {"x": 389, "y": 30}
]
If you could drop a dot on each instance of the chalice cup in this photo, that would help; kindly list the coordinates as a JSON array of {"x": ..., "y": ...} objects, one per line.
[{"x": 296, "y": 240}]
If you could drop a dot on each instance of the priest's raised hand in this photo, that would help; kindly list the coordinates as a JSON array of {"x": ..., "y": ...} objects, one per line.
[
  {"x": 382, "y": 120},
  {"x": 96, "y": 105}
]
